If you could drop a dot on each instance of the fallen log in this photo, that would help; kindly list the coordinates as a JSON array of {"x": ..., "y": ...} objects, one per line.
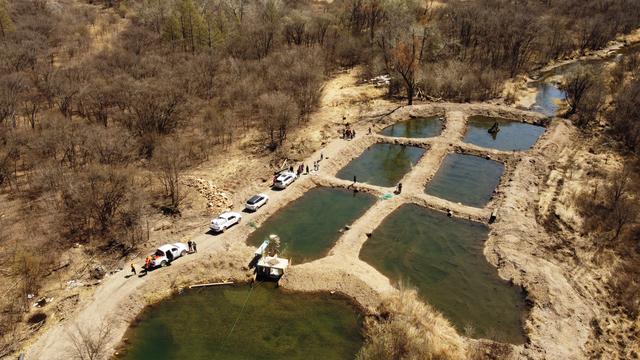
[{"x": 210, "y": 284}]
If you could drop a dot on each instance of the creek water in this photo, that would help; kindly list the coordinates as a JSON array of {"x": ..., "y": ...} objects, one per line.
[
  {"x": 467, "y": 179},
  {"x": 443, "y": 258},
  {"x": 418, "y": 127},
  {"x": 513, "y": 135},
  {"x": 266, "y": 322},
  {"x": 549, "y": 96},
  {"x": 309, "y": 226},
  {"x": 382, "y": 164}
]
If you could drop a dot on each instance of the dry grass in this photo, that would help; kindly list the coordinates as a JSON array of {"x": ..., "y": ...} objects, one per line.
[{"x": 407, "y": 328}]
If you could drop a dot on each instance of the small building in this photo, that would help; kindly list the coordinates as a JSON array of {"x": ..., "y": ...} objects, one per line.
[{"x": 271, "y": 267}]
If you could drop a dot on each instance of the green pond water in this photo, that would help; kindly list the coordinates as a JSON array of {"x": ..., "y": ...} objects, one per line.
[
  {"x": 419, "y": 127},
  {"x": 466, "y": 179},
  {"x": 382, "y": 164},
  {"x": 309, "y": 227},
  {"x": 196, "y": 324},
  {"x": 443, "y": 258},
  {"x": 513, "y": 135}
]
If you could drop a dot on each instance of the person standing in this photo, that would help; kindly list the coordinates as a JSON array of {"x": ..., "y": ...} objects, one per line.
[
  {"x": 307, "y": 168},
  {"x": 190, "y": 245},
  {"x": 195, "y": 246},
  {"x": 133, "y": 269}
]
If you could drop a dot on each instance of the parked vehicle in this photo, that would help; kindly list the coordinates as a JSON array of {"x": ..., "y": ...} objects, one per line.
[
  {"x": 225, "y": 221},
  {"x": 167, "y": 253},
  {"x": 285, "y": 179},
  {"x": 256, "y": 201}
]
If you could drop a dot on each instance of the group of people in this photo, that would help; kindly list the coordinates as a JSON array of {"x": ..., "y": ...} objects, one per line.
[
  {"x": 304, "y": 169},
  {"x": 193, "y": 247},
  {"x": 348, "y": 133},
  {"x": 146, "y": 267}
]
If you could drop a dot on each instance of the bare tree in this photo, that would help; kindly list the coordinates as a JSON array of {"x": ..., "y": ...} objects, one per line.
[
  {"x": 170, "y": 162},
  {"x": 277, "y": 111},
  {"x": 10, "y": 88},
  {"x": 402, "y": 57},
  {"x": 625, "y": 115},
  {"x": 576, "y": 85},
  {"x": 90, "y": 343}
]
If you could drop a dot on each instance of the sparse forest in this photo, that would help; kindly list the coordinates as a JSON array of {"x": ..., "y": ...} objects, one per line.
[{"x": 95, "y": 136}]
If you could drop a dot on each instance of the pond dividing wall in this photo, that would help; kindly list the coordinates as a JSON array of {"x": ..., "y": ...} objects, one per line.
[
  {"x": 197, "y": 324},
  {"x": 443, "y": 258},
  {"x": 418, "y": 127},
  {"x": 382, "y": 164},
  {"x": 513, "y": 135},
  {"x": 467, "y": 179},
  {"x": 309, "y": 226}
]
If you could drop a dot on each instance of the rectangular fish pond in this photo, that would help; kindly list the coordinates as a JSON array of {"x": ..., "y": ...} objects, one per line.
[
  {"x": 418, "y": 127},
  {"x": 236, "y": 322},
  {"x": 382, "y": 164},
  {"x": 309, "y": 227},
  {"x": 467, "y": 179},
  {"x": 443, "y": 258},
  {"x": 513, "y": 135}
]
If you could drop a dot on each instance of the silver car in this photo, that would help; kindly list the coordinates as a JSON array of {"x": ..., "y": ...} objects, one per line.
[
  {"x": 256, "y": 201},
  {"x": 225, "y": 221},
  {"x": 284, "y": 179}
]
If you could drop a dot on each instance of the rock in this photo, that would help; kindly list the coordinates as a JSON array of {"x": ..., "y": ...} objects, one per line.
[{"x": 98, "y": 272}]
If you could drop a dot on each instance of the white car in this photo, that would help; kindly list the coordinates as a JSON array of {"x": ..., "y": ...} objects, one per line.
[
  {"x": 256, "y": 201},
  {"x": 285, "y": 179},
  {"x": 225, "y": 221},
  {"x": 167, "y": 253}
]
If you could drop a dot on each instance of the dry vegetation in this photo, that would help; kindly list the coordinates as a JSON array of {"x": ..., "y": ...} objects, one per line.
[
  {"x": 603, "y": 208},
  {"x": 407, "y": 328},
  {"x": 95, "y": 139}
]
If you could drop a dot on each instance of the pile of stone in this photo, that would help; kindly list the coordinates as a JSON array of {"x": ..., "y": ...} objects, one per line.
[{"x": 217, "y": 200}]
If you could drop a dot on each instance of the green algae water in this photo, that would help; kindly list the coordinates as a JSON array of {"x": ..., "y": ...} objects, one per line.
[
  {"x": 309, "y": 227},
  {"x": 443, "y": 258},
  {"x": 382, "y": 164},
  {"x": 513, "y": 135},
  {"x": 195, "y": 325},
  {"x": 419, "y": 127},
  {"x": 467, "y": 179}
]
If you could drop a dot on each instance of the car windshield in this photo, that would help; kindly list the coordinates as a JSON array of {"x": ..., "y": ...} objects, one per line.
[
  {"x": 159, "y": 253},
  {"x": 254, "y": 199}
]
